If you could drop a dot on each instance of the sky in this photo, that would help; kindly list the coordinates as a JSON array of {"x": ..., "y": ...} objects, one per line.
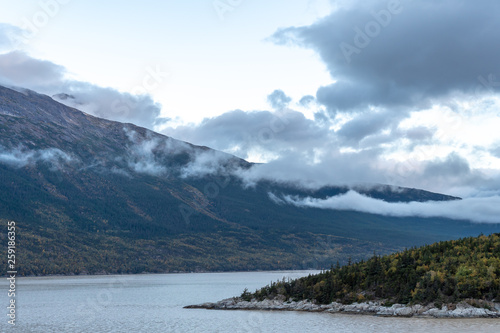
[{"x": 321, "y": 92}]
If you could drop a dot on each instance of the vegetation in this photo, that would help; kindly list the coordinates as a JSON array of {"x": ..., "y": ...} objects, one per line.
[
  {"x": 92, "y": 222},
  {"x": 43, "y": 250},
  {"x": 444, "y": 272},
  {"x": 94, "y": 211}
]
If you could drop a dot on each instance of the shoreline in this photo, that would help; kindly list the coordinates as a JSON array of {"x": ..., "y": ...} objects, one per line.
[
  {"x": 311, "y": 271},
  {"x": 375, "y": 308}
]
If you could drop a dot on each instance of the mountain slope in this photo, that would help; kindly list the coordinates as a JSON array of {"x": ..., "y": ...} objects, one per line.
[{"x": 92, "y": 195}]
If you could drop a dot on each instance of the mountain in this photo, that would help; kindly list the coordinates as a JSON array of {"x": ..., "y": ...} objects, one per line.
[{"x": 91, "y": 195}]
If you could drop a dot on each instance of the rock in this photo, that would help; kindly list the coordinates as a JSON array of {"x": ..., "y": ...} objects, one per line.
[
  {"x": 404, "y": 312},
  {"x": 460, "y": 310}
]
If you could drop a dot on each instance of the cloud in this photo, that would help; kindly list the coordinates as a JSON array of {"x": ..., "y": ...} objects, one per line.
[
  {"x": 274, "y": 198},
  {"x": 163, "y": 157},
  {"x": 419, "y": 133},
  {"x": 385, "y": 64},
  {"x": 246, "y": 134},
  {"x": 314, "y": 170},
  {"x": 21, "y": 157},
  {"x": 402, "y": 56},
  {"x": 18, "y": 69},
  {"x": 109, "y": 103},
  {"x": 482, "y": 210},
  {"x": 453, "y": 166},
  {"x": 208, "y": 162},
  {"x": 9, "y": 36},
  {"x": 354, "y": 131},
  {"x": 450, "y": 175},
  {"x": 16, "y": 157},
  {"x": 143, "y": 160},
  {"x": 307, "y": 152},
  {"x": 307, "y": 100},
  {"x": 356, "y": 134},
  {"x": 149, "y": 155},
  {"x": 495, "y": 151},
  {"x": 278, "y": 99}
]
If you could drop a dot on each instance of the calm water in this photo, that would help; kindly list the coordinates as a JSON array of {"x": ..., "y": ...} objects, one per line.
[{"x": 153, "y": 303}]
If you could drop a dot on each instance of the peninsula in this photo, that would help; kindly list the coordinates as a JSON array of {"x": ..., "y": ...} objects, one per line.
[{"x": 459, "y": 278}]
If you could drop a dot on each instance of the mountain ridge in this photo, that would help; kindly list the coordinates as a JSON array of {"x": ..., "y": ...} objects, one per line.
[{"x": 80, "y": 184}]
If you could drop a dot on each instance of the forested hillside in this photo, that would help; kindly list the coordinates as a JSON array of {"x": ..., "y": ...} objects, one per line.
[
  {"x": 90, "y": 195},
  {"x": 448, "y": 271}
]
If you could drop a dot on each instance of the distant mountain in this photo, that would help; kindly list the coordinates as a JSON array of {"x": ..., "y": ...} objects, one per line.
[{"x": 91, "y": 195}]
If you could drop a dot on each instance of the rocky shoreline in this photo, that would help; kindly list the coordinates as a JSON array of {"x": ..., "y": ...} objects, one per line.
[{"x": 461, "y": 310}]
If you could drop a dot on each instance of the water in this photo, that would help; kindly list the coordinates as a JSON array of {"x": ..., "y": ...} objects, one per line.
[{"x": 154, "y": 303}]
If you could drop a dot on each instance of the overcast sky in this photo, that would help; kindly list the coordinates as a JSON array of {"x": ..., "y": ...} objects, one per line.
[{"x": 326, "y": 92}]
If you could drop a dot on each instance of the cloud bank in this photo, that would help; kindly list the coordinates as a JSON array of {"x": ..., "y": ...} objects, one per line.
[{"x": 485, "y": 210}]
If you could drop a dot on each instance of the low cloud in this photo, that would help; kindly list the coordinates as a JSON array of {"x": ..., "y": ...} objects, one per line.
[
  {"x": 274, "y": 198},
  {"x": 21, "y": 157},
  {"x": 142, "y": 159},
  {"x": 481, "y": 210},
  {"x": 301, "y": 169},
  {"x": 163, "y": 156},
  {"x": 449, "y": 175},
  {"x": 144, "y": 154},
  {"x": 209, "y": 162}
]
